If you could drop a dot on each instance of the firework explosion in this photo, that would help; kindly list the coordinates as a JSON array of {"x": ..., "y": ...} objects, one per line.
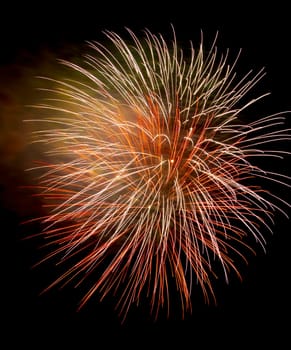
[{"x": 149, "y": 166}]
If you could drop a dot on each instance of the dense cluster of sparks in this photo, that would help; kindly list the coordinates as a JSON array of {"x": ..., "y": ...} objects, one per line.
[{"x": 148, "y": 179}]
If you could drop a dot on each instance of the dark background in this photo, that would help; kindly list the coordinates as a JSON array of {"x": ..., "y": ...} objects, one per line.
[{"x": 253, "y": 313}]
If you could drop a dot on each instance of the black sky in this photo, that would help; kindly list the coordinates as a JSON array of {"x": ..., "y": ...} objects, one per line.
[{"x": 255, "y": 311}]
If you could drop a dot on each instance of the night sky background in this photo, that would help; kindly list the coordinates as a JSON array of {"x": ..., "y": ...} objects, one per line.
[{"x": 254, "y": 312}]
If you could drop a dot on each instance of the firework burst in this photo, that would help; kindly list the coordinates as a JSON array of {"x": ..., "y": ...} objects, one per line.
[{"x": 149, "y": 170}]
